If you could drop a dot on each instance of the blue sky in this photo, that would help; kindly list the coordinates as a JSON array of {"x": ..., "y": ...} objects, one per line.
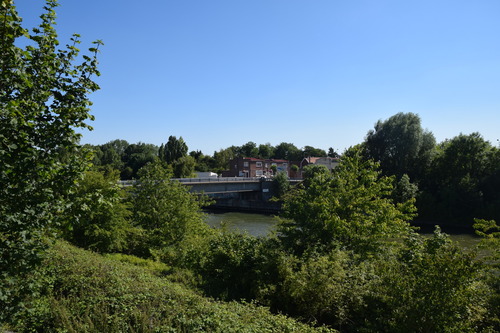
[{"x": 309, "y": 72}]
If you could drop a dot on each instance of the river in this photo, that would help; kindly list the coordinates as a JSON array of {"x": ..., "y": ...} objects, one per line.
[{"x": 261, "y": 225}]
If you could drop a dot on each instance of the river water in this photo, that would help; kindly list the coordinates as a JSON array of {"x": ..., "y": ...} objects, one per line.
[{"x": 261, "y": 225}]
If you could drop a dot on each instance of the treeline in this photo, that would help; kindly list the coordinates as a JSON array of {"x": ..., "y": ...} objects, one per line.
[
  {"x": 129, "y": 158},
  {"x": 454, "y": 181}
]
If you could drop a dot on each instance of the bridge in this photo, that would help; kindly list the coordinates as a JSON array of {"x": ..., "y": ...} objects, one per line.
[
  {"x": 224, "y": 185},
  {"x": 237, "y": 193},
  {"x": 234, "y": 193}
]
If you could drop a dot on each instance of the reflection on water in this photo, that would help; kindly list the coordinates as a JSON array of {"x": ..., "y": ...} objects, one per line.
[
  {"x": 261, "y": 225},
  {"x": 254, "y": 224}
]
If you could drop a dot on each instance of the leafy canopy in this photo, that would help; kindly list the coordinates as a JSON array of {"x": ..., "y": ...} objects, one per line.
[
  {"x": 350, "y": 208},
  {"x": 43, "y": 99}
]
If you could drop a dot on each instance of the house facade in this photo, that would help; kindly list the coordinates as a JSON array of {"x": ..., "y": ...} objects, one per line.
[
  {"x": 328, "y": 162},
  {"x": 255, "y": 167}
]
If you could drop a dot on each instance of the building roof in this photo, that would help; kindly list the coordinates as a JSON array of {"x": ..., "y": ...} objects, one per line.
[{"x": 263, "y": 159}]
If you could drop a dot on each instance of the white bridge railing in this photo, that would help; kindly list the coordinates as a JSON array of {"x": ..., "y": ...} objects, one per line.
[{"x": 211, "y": 180}]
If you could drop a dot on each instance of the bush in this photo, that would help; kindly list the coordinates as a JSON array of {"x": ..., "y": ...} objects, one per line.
[{"x": 91, "y": 293}]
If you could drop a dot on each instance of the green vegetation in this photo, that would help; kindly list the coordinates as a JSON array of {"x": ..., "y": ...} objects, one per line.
[
  {"x": 43, "y": 99},
  {"x": 454, "y": 181},
  {"x": 85, "y": 292},
  {"x": 80, "y": 254}
]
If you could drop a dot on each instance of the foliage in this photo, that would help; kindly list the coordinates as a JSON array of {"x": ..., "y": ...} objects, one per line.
[
  {"x": 350, "y": 208},
  {"x": 184, "y": 167},
  {"x": 281, "y": 184},
  {"x": 173, "y": 150},
  {"x": 422, "y": 285},
  {"x": 136, "y": 156},
  {"x": 433, "y": 286},
  {"x": 311, "y": 151},
  {"x": 222, "y": 158},
  {"x": 266, "y": 151},
  {"x": 113, "y": 154},
  {"x": 462, "y": 172},
  {"x": 312, "y": 171},
  {"x": 249, "y": 149},
  {"x": 287, "y": 151},
  {"x": 329, "y": 288},
  {"x": 232, "y": 266},
  {"x": 332, "y": 153},
  {"x": 404, "y": 190},
  {"x": 90, "y": 293},
  {"x": 164, "y": 209},
  {"x": 99, "y": 216},
  {"x": 490, "y": 231},
  {"x": 43, "y": 99},
  {"x": 401, "y": 145},
  {"x": 203, "y": 163}
]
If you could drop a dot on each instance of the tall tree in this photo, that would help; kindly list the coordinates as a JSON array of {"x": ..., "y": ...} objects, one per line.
[
  {"x": 311, "y": 151},
  {"x": 164, "y": 209},
  {"x": 184, "y": 167},
  {"x": 249, "y": 149},
  {"x": 349, "y": 208},
  {"x": 332, "y": 153},
  {"x": 173, "y": 149},
  {"x": 457, "y": 178},
  {"x": 223, "y": 156},
  {"x": 266, "y": 151},
  {"x": 287, "y": 151},
  {"x": 43, "y": 99},
  {"x": 401, "y": 146},
  {"x": 138, "y": 155}
]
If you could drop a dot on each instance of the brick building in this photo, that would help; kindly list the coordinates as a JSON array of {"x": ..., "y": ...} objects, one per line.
[{"x": 255, "y": 167}]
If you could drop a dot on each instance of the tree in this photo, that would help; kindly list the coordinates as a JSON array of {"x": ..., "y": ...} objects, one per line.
[
  {"x": 287, "y": 151},
  {"x": 349, "y": 208},
  {"x": 223, "y": 156},
  {"x": 173, "y": 150},
  {"x": 138, "y": 155},
  {"x": 281, "y": 184},
  {"x": 401, "y": 146},
  {"x": 113, "y": 153},
  {"x": 184, "y": 167},
  {"x": 311, "y": 151},
  {"x": 43, "y": 99},
  {"x": 266, "y": 151},
  {"x": 332, "y": 153},
  {"x": 99, "y": 217},
  {"x": 249, "y": 149},
  {"x": 164, "y": 209},
  {"x": 404, "y": 190},
  {"x": 457, "y": 178}
]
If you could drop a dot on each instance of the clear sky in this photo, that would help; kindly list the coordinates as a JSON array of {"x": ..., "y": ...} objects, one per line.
[{"x": 309, "y": 72}]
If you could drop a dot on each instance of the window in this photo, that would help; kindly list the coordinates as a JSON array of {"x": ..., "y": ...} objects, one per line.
[
  {"x": 245, "y": 164},
  {"x": 258, "y": 173},
  {"x": 258, "y": 164}
]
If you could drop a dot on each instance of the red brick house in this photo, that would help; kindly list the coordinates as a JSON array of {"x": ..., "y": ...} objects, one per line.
[{"x": 255, "y": 167}]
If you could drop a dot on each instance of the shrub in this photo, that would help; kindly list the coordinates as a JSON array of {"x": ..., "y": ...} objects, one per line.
[{"x": 91, "y": 293}]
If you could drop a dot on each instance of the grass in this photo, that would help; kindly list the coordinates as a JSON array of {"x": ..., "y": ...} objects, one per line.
[{"x": 88, "y": 292}]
